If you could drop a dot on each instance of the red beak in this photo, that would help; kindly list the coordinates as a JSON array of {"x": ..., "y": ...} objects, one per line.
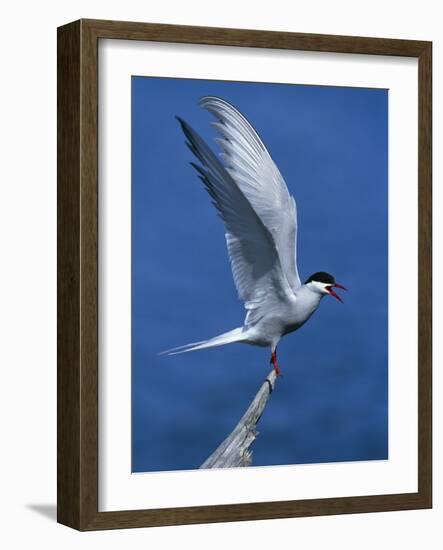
[{"x": 333, "y": 293}]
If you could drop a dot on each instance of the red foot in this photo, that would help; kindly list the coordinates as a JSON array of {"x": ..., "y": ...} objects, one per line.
[{"x": 273, "y": 362}]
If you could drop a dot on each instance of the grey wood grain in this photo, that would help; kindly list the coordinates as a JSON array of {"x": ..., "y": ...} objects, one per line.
[{"x": 235, "y": 449}]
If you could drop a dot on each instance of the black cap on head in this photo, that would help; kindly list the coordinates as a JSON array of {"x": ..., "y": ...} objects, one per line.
[{"x": 321, "y": 277}]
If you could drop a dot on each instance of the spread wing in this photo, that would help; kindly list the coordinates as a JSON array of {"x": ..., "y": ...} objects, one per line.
[
  {"x": 251, "y": 167},
  {"x": 255, "y": 262}
]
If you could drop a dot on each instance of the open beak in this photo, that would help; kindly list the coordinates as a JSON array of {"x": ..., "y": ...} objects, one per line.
[{"x": 332, "y": 292}]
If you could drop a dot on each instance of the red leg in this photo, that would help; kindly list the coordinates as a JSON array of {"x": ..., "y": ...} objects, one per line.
[{"x": 275, "y": 363}]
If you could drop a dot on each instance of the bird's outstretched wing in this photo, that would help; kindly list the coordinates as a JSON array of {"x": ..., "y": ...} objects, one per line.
[
  {"x": 251, "y": 167},
  {"x": 255, "y": 262}
]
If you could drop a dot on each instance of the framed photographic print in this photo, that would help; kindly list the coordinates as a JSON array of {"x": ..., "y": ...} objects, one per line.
[{"x": 244, "y": 275}]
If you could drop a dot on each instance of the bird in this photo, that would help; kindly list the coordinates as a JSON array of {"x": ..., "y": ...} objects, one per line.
[{"x": 260, "y": 220}]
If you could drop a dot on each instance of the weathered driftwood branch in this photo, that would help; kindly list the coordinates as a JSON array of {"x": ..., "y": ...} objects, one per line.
[{"x": 234, "y": 451}]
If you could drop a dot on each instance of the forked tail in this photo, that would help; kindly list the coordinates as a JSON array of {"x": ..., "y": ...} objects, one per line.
[{"x": 235, "y": 335}]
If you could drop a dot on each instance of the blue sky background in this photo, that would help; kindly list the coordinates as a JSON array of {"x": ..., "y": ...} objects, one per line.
[{"x": 331, "y": 403}]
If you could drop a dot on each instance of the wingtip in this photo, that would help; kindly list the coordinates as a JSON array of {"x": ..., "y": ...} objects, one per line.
[
  {"x": 208, "y": 99},
  {"x": 180, "y": 120},
  {"x": 186, "y": 129},
  {"x": 217, "y": 105}
]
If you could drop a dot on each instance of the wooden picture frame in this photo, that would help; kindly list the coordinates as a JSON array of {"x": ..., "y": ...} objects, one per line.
[{"x": 78, "y": 274}]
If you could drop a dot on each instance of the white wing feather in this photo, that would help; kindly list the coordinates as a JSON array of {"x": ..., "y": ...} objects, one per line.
[
  {"x": 251, "y": 167},
  {"x": 255, "y": 262}
]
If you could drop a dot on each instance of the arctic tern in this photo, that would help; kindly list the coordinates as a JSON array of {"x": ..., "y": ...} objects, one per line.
[{"x": 260, "y": 218}]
